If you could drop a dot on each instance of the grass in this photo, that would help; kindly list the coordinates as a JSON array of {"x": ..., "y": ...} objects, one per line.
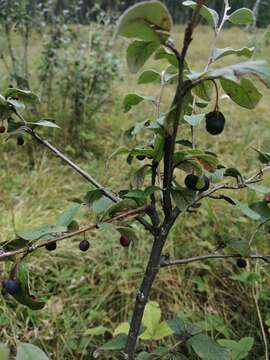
[{"x": 99, "y": 287}]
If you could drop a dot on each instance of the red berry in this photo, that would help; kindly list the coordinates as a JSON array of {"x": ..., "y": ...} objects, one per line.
[
  {"x": 124, "y": 241},
  {"x": 267, "y": 198},
  {"x": 51, "y": 246},
  {"x": 84, "y": 245},
  {"x": 2, "y": 129}
]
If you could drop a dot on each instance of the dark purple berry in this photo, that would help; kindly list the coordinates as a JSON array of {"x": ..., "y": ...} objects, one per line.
[
  {"x": 12, "y": 286},
  {"x": 206, "y": 183},
  {"x": 84, "y": 245},
  {"x": 140, "y": 157},
  {"x": 191, "y": 182},
  {"x": 124, "y": 241},
  {"x": 241, "y": 263},
  {"x": 215, "y": 122},
  {"x": 20, "y": 140},
  {"x": 51, "y": 246},
  {"x": 2, "y": 129}
]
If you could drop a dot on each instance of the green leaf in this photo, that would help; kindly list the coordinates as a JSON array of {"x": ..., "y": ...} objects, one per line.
[
  {"x": 259, "y": 69},
  {"x": 194, "y": 120},
  {"x": 238, "y": 349},
  {"x": 161, "y": 331},
  {"x": 210, "y": 15},
  {"x": 6, "y": 109},
  {"x": 41, "y": 232},
  {"x": 246, "y": 277},
  {"x": 96, "y": 331},
  {"x": 145, "y": 21},
  {"x": 158, "y": 150},
  {"x": 102, "y": 205},
  {"x": 117, "y": 343},
  {"x": 242, "y": 16},
  {"x": 263, "y": 157},
  {"x": 66, "y": 218},
  {"x": 259, "y": 188},
  {"x": 246, "y": 210},
  {"x": 122, "y": 328},
  {"x": 126, "y": 204},
  {"x": 244, "y": 94},
  {"x": 45, "y": 123},
  {"x": 92, "y": 196},
  {"x": 204, "y": 90},
  {"x": 220, "y": 53},
  {"x": 165, "y": 54},
  {"x": 261, "y": 208},
  {"x": 138, "y": 177},
  {"x": 239, "y": 246},
  {"x": 4, "y": 352},
  {"x": 25, "y": 96},
  {"x": 208, "y": 349},
  {"x": 135, "y": 99},
  {"x": 30, "y": 352},
  {"x": 151, "y": 316},
  {"x": 149, "y": 76},
  {"x": 138, "y": 52},
  {"x": 23, "y": 296},
  {"x": 183, "y": 197}
]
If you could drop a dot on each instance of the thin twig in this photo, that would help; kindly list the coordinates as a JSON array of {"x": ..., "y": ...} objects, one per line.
[
  {"x": 31, "y": 248},
  {"x": 166, "y": 263}
]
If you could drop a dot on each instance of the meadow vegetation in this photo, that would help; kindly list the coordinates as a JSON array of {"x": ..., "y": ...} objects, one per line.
[{"x": 96, "y": 289}]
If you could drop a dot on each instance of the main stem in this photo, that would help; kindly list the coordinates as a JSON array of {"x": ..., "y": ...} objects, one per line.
[{"x": 161, "y": 233}]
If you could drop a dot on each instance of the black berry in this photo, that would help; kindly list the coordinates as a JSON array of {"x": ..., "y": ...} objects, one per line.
[
  {"x": 12, "y": 286},
  {"x": 241, "y": 263},
  {"x": 206, "y": 183},
  {"x": 141, "y": 157},
  {"x": 84, "y": 245},
  {"x": 20, "y": 140},
  {"x": 51, "y": 246},
  {"x": 215, "y": 122},
  {"x": 124, "y": 241},
  {"x": 2, "y": 129},
  {"x": 191, "y": 182}
]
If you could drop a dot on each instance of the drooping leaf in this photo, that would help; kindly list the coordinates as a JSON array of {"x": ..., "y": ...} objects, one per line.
[
  {"x": 41, "y": 232},
  {"x": 68, "y": 216},
  {"x": 149, "y": 76},
  {"x": 138, "y": 52},
  {"x": 242, "y": 16},
  {"x": 183, "y": 197},
  {"x": 239, "y": 246},
  {"x": 262, "y": 209},
  {"x": 264, "y": 157},
  {"x": 138, "y": 177},
  {"x": 25, "y": 96},
  {"x": 246, "y": 210},
  {"x": 259, "y": 69},
  {"x": 92, "y": 196},
  {"x": 23, "y": 296},
  {"x": 165, "y": 54},
  {"x": 259, "y": 188},
  {"x": 244, "y": 94},
  {"x": 6, "y": 109},
  {"x": 101, "y": 205},
  {"x": 135, "y": 99},
  {"x": 145, "y": 21},
  {"x": 30, "y": 352},
  {"x": 207, "y": 349},
  {"x": 210, "y": 15},
  {"x": 126, "y": 204},
  {"x": 204, "y": 90},
  {"x": 45, "y": 123},
  {"x": 219, "y": 53},
  {"x": 117, "y": 343}
]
